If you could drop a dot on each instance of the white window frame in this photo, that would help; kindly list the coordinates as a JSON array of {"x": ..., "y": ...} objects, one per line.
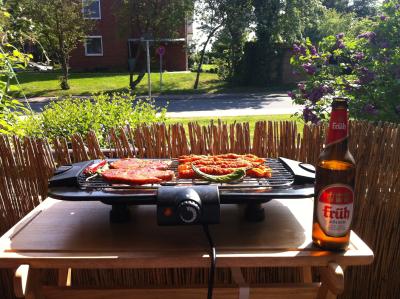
[
  {"x": 91, "y": 18},
  {"x": 101, "y": 40}
]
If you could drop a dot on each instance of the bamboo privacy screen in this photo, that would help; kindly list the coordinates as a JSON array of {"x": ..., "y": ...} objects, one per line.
[{"x": 25, "y": 166}]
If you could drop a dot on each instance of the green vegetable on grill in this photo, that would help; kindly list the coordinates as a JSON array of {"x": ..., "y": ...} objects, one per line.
[{"x": 238, "y": 174}]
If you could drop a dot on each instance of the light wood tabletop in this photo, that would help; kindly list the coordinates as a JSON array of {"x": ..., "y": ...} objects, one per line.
[{"x": 61, "y": 234}]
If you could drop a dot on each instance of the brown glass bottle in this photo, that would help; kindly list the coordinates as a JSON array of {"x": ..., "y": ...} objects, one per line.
[{"x": 334, "y": 184}]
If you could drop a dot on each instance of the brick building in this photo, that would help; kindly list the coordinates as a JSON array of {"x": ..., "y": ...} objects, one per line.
[{"x": 106, "y": 49}]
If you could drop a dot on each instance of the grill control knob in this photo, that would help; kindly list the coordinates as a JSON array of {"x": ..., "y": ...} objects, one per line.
[{"x": 189, "y": 211}]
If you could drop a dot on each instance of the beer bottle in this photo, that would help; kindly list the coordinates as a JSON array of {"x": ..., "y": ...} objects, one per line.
[{"x": 334, "y": 184}]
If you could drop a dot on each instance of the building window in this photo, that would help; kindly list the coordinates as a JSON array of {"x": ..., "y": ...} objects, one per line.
[
  {"x": 94, "y": 46},
  {"x": 91, "y": 9}
]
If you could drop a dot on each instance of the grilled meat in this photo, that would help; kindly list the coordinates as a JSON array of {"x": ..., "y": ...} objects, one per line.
[
  {"x": 139, "y": 176},
  {"x": 133, "y": 163},
  {"x": 223, "y": 165}
]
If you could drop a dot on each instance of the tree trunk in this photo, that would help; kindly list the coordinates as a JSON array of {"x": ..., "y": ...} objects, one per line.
[
  {"x": 65, "y": 71},
  {"x": 203, "y": 51},
  {"x": 133, "y": 83}
]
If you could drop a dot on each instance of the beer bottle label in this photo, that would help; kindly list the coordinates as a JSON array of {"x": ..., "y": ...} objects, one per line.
[
  {"x": 338, "y": 125},
  {"x": 335, "y": 209}
]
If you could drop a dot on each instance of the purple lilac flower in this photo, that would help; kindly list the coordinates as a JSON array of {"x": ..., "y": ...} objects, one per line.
[
  {"x": 397, "y": 73},
  {"x": 303, "y": 50},
  {"x": 366, "y": 76},
  {"x": 309, "y": 115},
  {"x": 313, "y": 51},
  {"x": 327, "y": 89},
  {"x": 397, "y": 109},
  {"x": 383, "y": 17},
  {"x": 296, "y": 49},
  {"x": 301, "y": 87},
  {"x": 359, "y": 55},
  {"x": 384, "y": 44},
  {"x": 291, "y": 94},
  {"x": 370, "y": 109},
  {"x": 309, "y": 68},
  {"x": 370, "y": 35},
  {"x": 316, "y": 94},
  {"x": 340, "y": 35},
  {"x": 348, "y": 88},
  {"x": 306, "y": 113},
  {"x": 340, "y": 44},
  {"x": 397, "y": 6}
]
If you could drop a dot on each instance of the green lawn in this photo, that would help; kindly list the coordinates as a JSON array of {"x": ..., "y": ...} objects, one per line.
[
  {"x": 207, "y": 67},
  {"x": 46, "y": 84}
]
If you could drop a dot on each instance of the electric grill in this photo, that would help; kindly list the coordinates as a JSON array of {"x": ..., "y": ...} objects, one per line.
[{"x": 290, "y": 179}]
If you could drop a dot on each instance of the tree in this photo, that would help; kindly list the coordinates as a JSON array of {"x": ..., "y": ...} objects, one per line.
[
  {"x": 231, "y": 40},
  {"x": 364, "y": 8},
  {"x": 338, "y": 5},
  {"x": 331, "y": 22},
  {"x": 211, "y": 19},
  {"x": 294, "y": 20},
  {"x": 61, "y": 26},
  {"x": 151, "y": 19},
  {"x": 277, "y": 23},
  {"x": 231, "y": 19},
  {"x": 10, "y": 58}
]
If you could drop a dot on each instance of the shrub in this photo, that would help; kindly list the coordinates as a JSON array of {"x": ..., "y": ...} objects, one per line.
[
  {"x": 366, "y": 69},
  {"x": 99, "y": 113}
]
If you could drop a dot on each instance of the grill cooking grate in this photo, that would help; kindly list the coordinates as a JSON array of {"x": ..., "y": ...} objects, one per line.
[{"x": 280, "y": 177}]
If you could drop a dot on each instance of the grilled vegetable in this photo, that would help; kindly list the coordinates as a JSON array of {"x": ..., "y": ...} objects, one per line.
[
  {"x": 236, "y": 175},
  {"x": 95, "y": 167}
]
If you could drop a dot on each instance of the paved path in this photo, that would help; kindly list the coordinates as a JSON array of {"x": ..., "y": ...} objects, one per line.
[{"x": 214, "y": 105}]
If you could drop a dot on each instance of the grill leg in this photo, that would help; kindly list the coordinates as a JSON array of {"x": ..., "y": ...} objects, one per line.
[
  {"x": 119, "y": 214},
  {"x": 254, "y": 212}
]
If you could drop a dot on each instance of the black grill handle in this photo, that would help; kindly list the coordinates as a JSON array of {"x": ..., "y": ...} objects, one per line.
[
  {"x": 67, "y": 175},
  {"x": 301, "y": 173}
]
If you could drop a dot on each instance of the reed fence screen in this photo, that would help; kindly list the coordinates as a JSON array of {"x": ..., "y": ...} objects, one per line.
[{"x": 27, "y": 164}]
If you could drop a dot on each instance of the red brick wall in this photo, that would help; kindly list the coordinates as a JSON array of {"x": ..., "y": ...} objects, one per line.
[
  {"x": 115, "y": 48},
  {"x": 175, "y": 57}
]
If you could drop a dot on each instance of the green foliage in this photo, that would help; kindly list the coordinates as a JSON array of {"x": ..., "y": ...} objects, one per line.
[
  {"x": 10, "y": 58},
  {"x": 227, "y": 54},
  {"x": 296, "y": 17},
  {"x": 277, "y": 23},
  {"x": 331, "y": 22},
  {"x": 100, "y": 114},
  {"x": 232, "y": 38},
  {"x": 60, "y": 27},
  {"x": 341, "y": 6},
  {"x": 365, "y": 69},
  {"x": 154, "y": 18},
  {"x": 364, "y": 8}
]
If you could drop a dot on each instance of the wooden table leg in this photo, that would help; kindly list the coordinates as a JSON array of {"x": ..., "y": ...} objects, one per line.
[
  {"x": 34, "y": 285},
  {"x": 64, "y": 277},
  {"x": 306, "y": 274},
  {"x": 332, "y": 279},
  {"x": 20, "y": 281},
  {"x": 244, "y": 289}
]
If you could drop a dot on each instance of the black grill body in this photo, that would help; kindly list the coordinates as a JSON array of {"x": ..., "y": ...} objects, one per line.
[{"x": 290, "y": 179}]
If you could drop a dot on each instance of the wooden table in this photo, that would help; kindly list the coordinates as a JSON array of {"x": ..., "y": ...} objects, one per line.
[{"x": 64, "y": 235}]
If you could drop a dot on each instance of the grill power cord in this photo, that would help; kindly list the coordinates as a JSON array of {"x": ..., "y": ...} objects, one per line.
[{"x": 213, "y": 257}]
